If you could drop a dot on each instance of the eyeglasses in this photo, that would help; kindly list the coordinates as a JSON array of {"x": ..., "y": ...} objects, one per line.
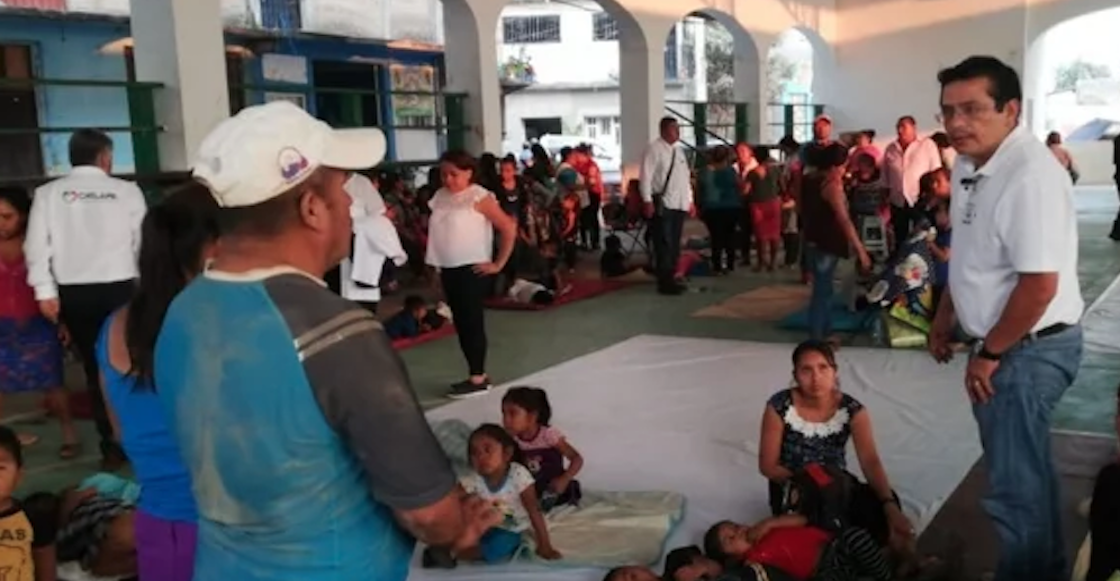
[{"x": 967, "y": 111}]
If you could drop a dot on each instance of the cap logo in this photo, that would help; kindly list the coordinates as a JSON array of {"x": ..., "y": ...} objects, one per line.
[{"x": 293, "y": 165}]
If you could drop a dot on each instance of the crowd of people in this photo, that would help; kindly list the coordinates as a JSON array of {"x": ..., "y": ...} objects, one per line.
[{"x": 257, "y": 406}]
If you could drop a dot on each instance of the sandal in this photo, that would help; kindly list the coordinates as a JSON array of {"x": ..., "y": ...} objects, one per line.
[
  {"x": 26, "y": 439},
  {"x": 69, "y": 451}
]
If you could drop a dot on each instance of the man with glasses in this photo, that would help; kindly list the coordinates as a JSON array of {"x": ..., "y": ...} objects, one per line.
[
  {"x": 1013, "y": 287},
  {"x": 905, "y": 161}
]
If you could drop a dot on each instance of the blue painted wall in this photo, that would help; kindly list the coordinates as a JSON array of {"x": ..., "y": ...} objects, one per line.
[{"x": 69, "y": 50}]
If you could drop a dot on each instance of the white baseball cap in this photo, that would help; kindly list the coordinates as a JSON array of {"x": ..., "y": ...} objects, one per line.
[{"x": 266, "y": 150}]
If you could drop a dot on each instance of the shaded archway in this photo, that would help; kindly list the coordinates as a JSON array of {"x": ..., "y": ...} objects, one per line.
[
  {"x": 791, "y": 85},
  {"x": 1072, "y": 87},
  {"x": 725, "y": 69},
  {"x": 570, "y": 58}
]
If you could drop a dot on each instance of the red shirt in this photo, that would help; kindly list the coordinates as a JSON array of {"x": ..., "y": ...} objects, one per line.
[
  {"x": 17, "y": 298},
  {"x": 794, "y": 550}
]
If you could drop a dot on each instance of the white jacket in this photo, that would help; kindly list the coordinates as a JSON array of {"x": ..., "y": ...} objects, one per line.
[
  {"x": 84, "y": 229},
  {"x": 658, "y": 158}
]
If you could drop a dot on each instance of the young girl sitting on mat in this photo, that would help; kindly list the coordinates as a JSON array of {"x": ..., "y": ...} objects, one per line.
[
  {"x": 526, "y": 415},
  {"x": 501, "y": 478}
]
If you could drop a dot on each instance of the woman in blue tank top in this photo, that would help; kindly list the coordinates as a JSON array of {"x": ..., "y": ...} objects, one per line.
[{"x": 177, "y": 237}]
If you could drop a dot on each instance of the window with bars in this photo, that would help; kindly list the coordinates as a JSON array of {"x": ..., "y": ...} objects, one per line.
[
  {"x": 672, "y": 66},
  {"x": 281, "y": 15},
  {"x": 605, "y": 27},
  {"x": 603, "y": 128},
  {"x": 530, "y": 29}
]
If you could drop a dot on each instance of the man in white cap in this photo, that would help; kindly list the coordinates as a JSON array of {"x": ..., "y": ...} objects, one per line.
[{"x": 305, "y": 442}]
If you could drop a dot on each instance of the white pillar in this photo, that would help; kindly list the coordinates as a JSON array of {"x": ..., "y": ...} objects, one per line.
[
  {"x": 471, "y": 61},
  {"x": 642, "y": 94},
  {"x": 180, "y": 43},
  {"x": 750, "y": 84}
]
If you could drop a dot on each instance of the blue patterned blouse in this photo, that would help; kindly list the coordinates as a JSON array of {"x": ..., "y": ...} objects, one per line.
[{"x": 805, "y": 442}]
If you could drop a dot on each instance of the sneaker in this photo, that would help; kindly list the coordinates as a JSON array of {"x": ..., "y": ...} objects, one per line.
[
  {"x": 437, "y": 558},
  {"x": 467, "y": 389}
]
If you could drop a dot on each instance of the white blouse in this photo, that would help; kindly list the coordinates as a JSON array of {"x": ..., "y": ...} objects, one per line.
[{"x": 458, "y": 234}]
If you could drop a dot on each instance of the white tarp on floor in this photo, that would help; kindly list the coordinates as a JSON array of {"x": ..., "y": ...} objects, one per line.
[
  {"x": 668, "y": 413},
  {"x": 1102, "y": 321}
]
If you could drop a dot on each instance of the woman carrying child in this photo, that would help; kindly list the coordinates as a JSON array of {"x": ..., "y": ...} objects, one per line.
[
  {"x": 178, "y": 236},
  {"x": 500, "y": 477},
  {"x": 526, "y": 415},
  {"x": 461, "y": 247},
  {"x": 811, "y": 423},
  {"x": 30, "y": 345}
]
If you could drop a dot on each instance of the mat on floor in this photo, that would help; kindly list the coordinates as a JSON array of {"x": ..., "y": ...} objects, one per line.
[
  {"x": 843, "y": 319},
  {"x": 446, "y": 330},
  {"x": 1087, "y": 405},
  {"x": 581, "y": 289},
  {"x": 682, "y": 414},
  {"x": 608, "y": 529},
  {"x": 768, "y": 303}
]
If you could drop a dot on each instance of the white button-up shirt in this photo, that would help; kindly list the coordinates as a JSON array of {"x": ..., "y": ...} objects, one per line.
[
  {"x": 84, "y": 229},
  {"x": 903, "y": 169},
  {"x": 1015, "y": 214},
  {"x": 658, "y": 158}
]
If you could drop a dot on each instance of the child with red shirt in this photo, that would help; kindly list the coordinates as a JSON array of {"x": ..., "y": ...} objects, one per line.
[
  {"x": 30, "y": 345},
  {"x": 788, "y": 544}
]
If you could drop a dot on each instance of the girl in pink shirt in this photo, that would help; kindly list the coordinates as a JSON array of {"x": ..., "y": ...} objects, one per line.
[{"x": 526, "y": 414}]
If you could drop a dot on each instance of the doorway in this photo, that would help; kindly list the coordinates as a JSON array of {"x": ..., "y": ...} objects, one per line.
[
  {"x": 341, "y": 109},
  {"x": 537, "y": 127},
  {"x": 23, "y": 154}
]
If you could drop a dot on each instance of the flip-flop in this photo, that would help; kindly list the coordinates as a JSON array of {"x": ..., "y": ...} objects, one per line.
[
  {"x": 28, "y": 439},
  {"x": 69, "y": 451}
]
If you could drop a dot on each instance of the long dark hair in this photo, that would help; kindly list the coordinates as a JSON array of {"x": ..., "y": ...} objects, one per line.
[
  {"x": 173, "y": 237},
  {"x": 19, "y": 200}
]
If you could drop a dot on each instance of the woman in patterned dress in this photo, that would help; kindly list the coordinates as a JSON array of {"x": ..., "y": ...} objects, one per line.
[
  {"x": 811, "y": 423},
  {"x": 30, "y": 345}
]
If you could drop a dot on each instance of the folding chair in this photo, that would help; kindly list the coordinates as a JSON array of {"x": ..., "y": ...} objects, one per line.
[{"x": 620, "y": 223}]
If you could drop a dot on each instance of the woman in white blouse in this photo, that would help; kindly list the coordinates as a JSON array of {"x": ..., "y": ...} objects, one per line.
[{"x": 461, "y": 247}]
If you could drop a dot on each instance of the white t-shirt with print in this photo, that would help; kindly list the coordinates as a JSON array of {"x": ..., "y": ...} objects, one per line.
[{"x": 507, "y": 498}]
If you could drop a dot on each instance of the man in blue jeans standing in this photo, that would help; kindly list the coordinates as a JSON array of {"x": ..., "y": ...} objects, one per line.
[
  {"x": 1013, "y": 287},
  {"x": 666, "y": 185}
]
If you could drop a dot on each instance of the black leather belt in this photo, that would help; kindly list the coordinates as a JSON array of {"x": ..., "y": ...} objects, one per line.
[{"x": 1046, "y": 332}]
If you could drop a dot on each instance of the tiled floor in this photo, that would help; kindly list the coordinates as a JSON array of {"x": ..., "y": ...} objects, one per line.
[{"x": 521, "y": 343}]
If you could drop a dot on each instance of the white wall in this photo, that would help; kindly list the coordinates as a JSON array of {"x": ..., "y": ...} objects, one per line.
[{"x": 571, "y": 106}]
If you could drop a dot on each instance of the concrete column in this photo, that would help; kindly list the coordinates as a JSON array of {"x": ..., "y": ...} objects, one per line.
[
  {"x": 180, "y": 43},
  {"x": 471, "y": 57},
  {"x": 750, "y": 84},
  {"x": 642, "y": 94}
]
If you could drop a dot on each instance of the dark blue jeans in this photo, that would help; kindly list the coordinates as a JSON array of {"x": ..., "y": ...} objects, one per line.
[
  {"x": 820, "y": 301},
  {"x": 1023, "y": 497},
  {"x": 667, "y": 227}
]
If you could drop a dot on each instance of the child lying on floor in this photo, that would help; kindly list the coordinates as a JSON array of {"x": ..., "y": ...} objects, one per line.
[
  {"x": 414, "y": 319},
  {"x": 689, "y": 564},
  {"x": 526, "y": 415},
  {"x": 801, "y": 551},
  {"x": 500, "y": 477}
]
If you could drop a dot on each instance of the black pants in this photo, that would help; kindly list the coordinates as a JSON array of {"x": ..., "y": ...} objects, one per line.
[
  {"x": 864, "y": 510},
  {"x": 667, "y": 227},
  {"x": 589, "y": 225},
  {"x": 465, "y": 292},
  {"x": 84, "y": 310},
  {"x": 1115, "y": 234},
  {"x": 902, "y": 222},
  {"x": 1104, "y": 524},
  {"x": 721, "y": 229},
  {"x": 791, "y": 244},
  {"x": 746, "y": 232}
]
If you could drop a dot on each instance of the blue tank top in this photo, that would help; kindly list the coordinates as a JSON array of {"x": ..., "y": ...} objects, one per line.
[{"x": 165, "y": 485}]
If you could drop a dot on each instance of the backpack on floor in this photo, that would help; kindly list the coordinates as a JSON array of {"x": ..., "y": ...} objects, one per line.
[{"x": 821, "y": 494}]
